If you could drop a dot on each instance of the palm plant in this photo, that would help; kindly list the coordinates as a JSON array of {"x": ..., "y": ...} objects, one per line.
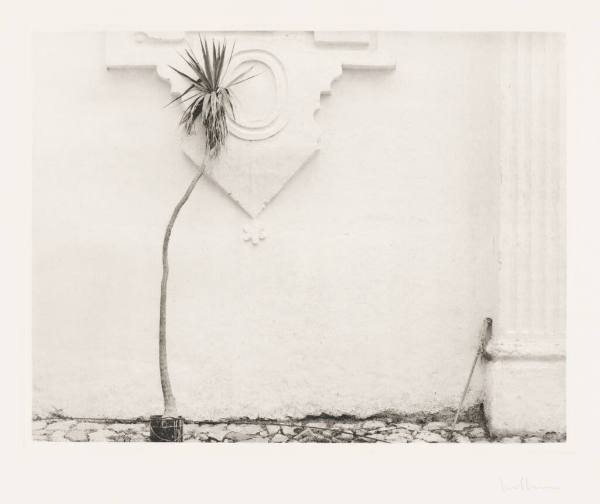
[{"x": 209, "y": 100}]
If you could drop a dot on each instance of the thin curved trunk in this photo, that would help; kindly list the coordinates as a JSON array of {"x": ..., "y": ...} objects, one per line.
[{"x": 169, "y": 398}]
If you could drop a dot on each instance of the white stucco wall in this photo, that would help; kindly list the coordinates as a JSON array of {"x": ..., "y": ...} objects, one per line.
[{"x": 367, "y": 294}]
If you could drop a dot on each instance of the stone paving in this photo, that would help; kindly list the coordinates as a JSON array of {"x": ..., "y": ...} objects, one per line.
[{"x": 383, "y": 430}]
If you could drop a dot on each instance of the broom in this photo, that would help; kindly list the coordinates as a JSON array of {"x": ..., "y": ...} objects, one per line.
[{"x": 483, "y": 339}]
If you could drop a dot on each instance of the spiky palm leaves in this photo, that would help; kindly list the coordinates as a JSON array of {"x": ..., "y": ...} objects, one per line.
[{"x": 209, "y": 96}]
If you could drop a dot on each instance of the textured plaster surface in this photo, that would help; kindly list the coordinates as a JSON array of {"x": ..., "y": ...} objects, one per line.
[{"x": 367, "y": 295}]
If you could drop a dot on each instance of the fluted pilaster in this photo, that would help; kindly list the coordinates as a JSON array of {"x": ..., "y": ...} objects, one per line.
[
  {"x": 525, "y": 378},
  {"x": 531, "y": 311}
]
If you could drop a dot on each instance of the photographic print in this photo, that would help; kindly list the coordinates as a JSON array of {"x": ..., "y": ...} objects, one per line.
[{"x": 299, "y": 237}]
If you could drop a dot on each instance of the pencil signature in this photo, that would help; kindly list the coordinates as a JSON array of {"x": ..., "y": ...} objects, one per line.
[{"x": 524, "y": 485}]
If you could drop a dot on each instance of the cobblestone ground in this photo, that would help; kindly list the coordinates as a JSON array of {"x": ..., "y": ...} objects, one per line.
[{"x": 386, "y": 430}]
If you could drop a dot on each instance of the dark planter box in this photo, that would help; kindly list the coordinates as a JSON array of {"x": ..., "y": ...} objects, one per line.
[{"x": 166, "y": 429}]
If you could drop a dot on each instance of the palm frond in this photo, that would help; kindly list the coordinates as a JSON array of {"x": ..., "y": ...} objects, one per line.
[
  {"x": 213, "y": 99},
  {"x": 179, "y": 97}
]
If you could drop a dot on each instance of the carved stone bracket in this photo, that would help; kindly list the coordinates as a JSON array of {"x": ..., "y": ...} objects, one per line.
[{"x": 274, "y": 132}]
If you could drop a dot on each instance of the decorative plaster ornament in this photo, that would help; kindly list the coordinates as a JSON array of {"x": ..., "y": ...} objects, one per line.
[
  {"x": 253, "y": 232},
  {"x": 274, "y": 132}
]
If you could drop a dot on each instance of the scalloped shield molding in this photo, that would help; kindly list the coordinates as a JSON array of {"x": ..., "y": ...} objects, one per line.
[{"x": 270, "y": 142}]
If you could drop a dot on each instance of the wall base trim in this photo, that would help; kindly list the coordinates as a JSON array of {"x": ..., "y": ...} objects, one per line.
[
  {"x": 525, "y": 392},
  {"x": 518, "y": 349}
]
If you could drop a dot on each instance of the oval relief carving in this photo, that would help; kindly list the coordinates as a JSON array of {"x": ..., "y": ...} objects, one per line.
[{"x": 264, "y": 113}]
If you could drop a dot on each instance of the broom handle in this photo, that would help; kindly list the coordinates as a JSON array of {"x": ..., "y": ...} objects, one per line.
[{"x": 484, "y": 328}]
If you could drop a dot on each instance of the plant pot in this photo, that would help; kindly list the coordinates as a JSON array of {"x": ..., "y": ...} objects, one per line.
[{"x": 166, "y": 429}]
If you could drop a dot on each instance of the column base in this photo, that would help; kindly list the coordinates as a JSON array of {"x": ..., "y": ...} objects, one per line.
[{"x": 525, "y": 388}]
